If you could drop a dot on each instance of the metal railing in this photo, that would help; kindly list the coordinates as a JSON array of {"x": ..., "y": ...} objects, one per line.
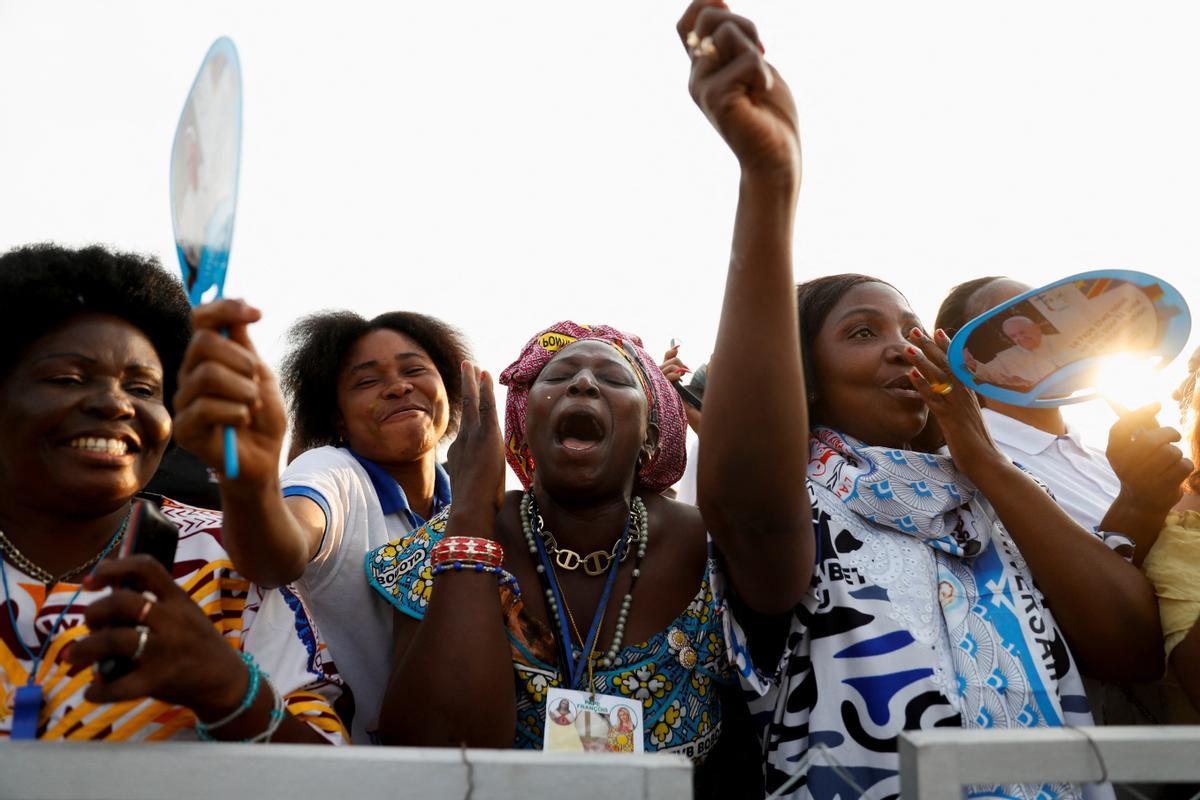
[
  {"x": 936, "y": 764},
  {"x": 188, "y": 771}
]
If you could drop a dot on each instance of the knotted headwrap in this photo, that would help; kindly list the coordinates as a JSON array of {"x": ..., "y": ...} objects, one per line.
[{"x": 665, "y": 407}]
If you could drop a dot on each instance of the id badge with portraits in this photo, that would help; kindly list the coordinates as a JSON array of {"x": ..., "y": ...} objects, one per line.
[{"x": 581, "y": 722}]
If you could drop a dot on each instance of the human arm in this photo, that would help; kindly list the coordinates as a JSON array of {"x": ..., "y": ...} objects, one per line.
[
  {"x": 451, "y": 683},
  {"x": 185, "y": 660},
  {"x": 1151, "y": 470},
  {"x": 1103, "y": 604},
  {"x": 753, "y": 455},
  {"x": 223, "y": 382}
]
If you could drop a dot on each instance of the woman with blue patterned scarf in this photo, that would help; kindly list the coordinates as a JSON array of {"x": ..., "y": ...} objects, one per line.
[
  {"x": 895, "y": 570},
  {"x": 919, "y": 579}
]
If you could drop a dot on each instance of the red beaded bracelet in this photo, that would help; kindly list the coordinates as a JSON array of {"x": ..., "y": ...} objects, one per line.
[{"x": 468, "y": 550}]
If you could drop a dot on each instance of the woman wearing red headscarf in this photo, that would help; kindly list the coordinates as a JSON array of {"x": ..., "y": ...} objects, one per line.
[{"x": 605, "y": 585}]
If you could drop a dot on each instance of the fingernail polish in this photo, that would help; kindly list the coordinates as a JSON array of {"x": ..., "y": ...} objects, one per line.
[{"x": 912, "y": 351}]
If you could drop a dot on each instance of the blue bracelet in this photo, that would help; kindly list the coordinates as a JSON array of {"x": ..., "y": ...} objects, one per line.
[
  {"x": 276, "y": 719},
  {"x": 503, "y": 577},
  {"x": 204, "y": 732}
]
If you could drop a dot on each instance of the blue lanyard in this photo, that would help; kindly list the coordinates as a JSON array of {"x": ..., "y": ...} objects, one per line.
[
  {"x": 37, "y": 660},
  {"x": 27, "y": 707},
  {"x": 577, "y": 669}
]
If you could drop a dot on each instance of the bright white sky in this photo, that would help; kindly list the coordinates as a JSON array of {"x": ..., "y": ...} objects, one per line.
[{"x": 506, "y": 165}]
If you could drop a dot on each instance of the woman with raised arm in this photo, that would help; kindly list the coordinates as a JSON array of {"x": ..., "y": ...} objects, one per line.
[
  {"x": 93, "y": 341},
  {"x": 370, "y": 401},
  {"x": 606, "y": 586},
  {"x": 905, "y": 577}
]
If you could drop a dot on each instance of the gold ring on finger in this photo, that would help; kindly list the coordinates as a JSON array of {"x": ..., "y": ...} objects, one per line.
[{"x": 942, "y": 388}]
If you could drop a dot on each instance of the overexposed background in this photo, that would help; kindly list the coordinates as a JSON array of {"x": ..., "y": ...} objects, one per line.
[{"x": 506, "y": 165}]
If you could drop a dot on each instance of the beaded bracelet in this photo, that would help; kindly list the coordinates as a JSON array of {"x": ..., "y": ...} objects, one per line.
[
  {"x": 204, "y": 732},
  {"x": 504, "y": 578},
  {"x": 462, "y": 558},
  {"x": 473, "y": 549},
  {"x": 468, "y": 547},
  {"x": 257, "y": 677},
  {"x": 277, "y": 712}
]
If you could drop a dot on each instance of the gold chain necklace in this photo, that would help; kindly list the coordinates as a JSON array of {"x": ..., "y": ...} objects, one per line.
[
  {"x": 594, "y": 563},
  {"x": 22, "y": 562}
]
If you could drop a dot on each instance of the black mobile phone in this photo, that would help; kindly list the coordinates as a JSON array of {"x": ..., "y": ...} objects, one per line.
[
  {"x": 687, "y": 395},
  {"x": 150, "y": 532}
]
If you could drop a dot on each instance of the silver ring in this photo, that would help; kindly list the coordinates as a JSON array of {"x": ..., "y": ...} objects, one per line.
[{"x": 143, "y": 632}]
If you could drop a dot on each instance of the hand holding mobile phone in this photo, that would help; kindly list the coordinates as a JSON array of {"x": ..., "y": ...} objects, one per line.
[{"x": 150, "y": 532}]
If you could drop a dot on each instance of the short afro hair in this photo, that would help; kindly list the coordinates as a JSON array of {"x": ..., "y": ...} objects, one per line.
[
  {"x": 42, "y": 286},
  {"x": 320, "y": 344}
]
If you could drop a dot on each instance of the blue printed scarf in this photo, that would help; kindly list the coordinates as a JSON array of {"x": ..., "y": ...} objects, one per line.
[{"x": 1012, "y": 664}]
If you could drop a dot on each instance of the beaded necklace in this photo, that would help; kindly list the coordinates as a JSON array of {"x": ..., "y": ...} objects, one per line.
[{"x": 534, "y": 529}]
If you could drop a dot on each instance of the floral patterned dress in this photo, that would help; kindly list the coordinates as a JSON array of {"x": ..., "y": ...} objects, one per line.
[{"x": 674, "y": 674}]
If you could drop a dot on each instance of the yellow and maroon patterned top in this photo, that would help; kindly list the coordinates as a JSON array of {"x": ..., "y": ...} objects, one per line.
[{"x": 273, "y": 626}]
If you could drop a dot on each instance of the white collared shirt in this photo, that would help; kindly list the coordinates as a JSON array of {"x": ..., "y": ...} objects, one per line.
[{"x": 1080, "y": 477}]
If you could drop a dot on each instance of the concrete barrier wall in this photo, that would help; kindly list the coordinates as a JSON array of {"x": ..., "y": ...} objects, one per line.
[{"x": 190, "y": 771}]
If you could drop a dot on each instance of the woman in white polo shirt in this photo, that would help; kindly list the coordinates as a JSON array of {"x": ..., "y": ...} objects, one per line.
[{"x": 369, "y": 400}]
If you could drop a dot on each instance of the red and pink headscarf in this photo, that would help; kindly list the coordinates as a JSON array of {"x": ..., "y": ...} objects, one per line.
[{"x": 666, "y": 409}]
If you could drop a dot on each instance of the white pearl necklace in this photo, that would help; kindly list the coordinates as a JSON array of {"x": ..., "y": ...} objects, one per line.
[{"x": 640, "y": 521}]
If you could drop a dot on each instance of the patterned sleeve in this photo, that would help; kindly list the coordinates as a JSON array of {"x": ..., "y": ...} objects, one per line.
[
  {"x": 761, "y": 679},
  {"x": 273, "y": 626},
  {"x": 768, "y": 651},
  {"x": 281, "y": 635},
  {"x": 326, "y": 476},
  {"x": 400, "y": 570}
]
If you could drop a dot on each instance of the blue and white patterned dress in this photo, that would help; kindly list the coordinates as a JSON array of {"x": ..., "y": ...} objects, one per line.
[{"x": 886, "y": 640}]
